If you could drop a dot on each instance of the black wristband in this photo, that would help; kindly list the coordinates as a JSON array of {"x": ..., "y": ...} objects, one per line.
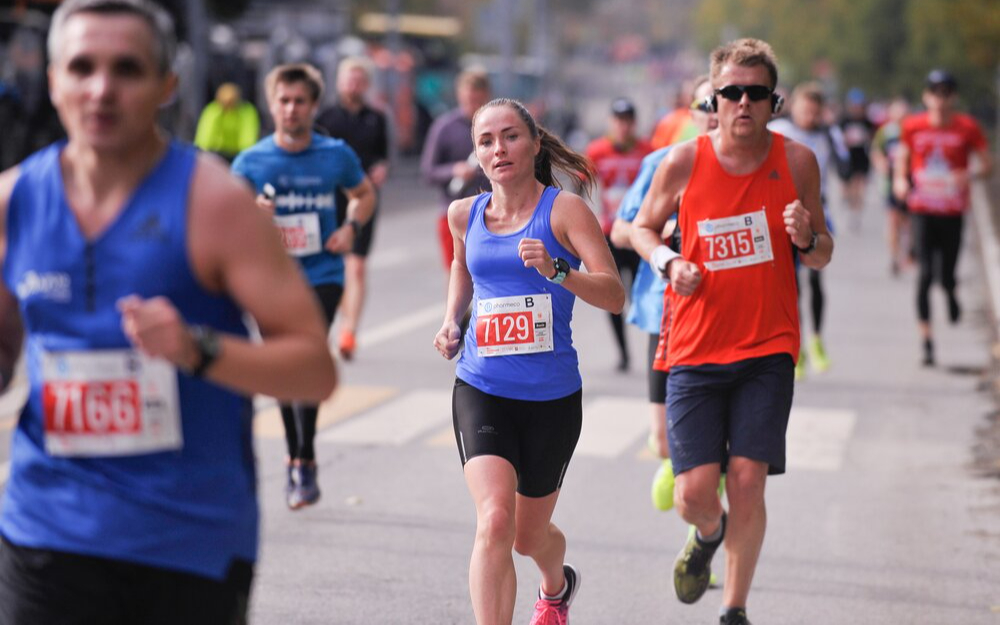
[{"x": 207, "y": 343}]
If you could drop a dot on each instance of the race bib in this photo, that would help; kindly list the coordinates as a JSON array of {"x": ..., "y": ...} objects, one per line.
[
  {"x": 109, "y": 403},
  {"x": 938, "y": 186},
  {"x": 514, "y": 325},
  {"x": 300, "y": 233},
  {"x": 735, "y": 241}
]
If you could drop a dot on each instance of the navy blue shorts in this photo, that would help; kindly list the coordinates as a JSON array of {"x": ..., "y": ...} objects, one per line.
[{"x": 737, "y": 409}]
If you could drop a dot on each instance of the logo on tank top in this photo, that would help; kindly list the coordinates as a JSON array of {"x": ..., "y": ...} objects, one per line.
[
  {"x": 54, "y": 286},
  {"x": 150, "y": 229},
  {"x": 774, "y": 175}
]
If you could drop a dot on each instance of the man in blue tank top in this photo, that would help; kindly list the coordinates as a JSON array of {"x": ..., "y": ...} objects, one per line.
[
  {"x": 297, "y": 174},
  {"x": 132, "y": 259}
]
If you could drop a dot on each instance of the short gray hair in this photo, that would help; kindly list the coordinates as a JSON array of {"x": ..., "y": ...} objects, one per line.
[{"x": 156, "y": 16}]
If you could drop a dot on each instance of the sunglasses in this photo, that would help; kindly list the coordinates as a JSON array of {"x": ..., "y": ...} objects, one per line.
[
  {"x": 734, "y": 93},
  {"x": 702, "y": 105}
]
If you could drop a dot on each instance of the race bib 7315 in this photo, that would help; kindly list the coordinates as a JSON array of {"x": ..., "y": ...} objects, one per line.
[{"x": 736, "y": 241}]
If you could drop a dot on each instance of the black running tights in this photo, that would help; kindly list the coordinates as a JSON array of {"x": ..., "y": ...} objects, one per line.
[
  {"x": 300, "y": 418},
  {"x": 937, "y": 240}
]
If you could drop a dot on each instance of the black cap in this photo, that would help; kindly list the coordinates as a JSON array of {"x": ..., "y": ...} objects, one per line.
[
  {"x": 622, "y": 107},
  {"x": 941, "y": 78}
]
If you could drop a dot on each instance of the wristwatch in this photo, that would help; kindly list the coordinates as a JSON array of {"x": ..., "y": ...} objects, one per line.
[
  {"x": 354, "y": 223},
  {"x": 562, "y": 268},
  {"x": 809, "y": 248},
  {"x": 206, "y": 341}
]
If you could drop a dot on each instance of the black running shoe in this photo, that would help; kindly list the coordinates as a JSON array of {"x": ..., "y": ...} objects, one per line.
[
  {"x": 692, "y": 569},
  {"x": 928, "y": 353},
  {"x": 734, "y": 616}
]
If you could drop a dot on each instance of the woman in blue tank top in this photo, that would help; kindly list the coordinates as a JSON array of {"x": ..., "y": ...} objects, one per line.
[{"x": 517, "y": 399}]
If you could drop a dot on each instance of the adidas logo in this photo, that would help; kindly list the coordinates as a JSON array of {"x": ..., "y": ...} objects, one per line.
[{"x": 774, "y": 175}]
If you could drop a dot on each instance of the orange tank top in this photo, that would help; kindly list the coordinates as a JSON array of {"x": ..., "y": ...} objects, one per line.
[{"x": 732, "y": 228}]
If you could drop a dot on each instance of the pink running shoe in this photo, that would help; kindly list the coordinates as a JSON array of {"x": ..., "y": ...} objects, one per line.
[{"x": 556, "y": 612}]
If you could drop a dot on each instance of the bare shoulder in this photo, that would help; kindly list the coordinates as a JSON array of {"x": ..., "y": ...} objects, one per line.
[
  {"x": 215, "y": 189},
  {"x": 679, "y": 162},
  {"x": 801, "y": 160},
  {"x": 458, "y": 214},
  {"x": 7, "y": 181},
  {"x": 569, "y": 205}
]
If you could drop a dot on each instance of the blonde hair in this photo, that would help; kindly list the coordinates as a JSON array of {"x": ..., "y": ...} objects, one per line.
[
  {"x": 475, "y": 78},
  {"x": 745, "y": 53},
  {"x": 350, "y": 63},
  {"x": 292, "y": 73}
]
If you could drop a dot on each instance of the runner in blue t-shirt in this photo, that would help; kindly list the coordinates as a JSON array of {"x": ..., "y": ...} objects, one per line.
[
  {"x": 131, "y": 260},
  {"x": 297, "y": 173}
]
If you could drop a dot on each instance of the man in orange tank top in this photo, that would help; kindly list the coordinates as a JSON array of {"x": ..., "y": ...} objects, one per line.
[{"x": 747, "y": 200}]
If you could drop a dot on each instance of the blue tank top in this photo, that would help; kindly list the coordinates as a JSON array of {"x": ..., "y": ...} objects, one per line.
[
  {"x": 306, "y": 183},
  {"x": 192, "y": 509},
  {"x": 498, "y": 272}
]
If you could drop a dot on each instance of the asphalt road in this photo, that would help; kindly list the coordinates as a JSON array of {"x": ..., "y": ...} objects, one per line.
[{"x": 880, "y": 518}]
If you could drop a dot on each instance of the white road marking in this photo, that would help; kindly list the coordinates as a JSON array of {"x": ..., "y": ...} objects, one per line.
[
  {"x": 817, "y": 438},
  {"x": 396, "y": 422},
  {"x": 611, "y": 425},
  {"x": 411, "y": 321}
]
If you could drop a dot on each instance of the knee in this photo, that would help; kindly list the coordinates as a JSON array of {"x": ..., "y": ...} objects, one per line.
[
  {"x": 745, "y": 485},
  {"x": 695, "y": 498},
  {"x": 495, "y": 527},
  {"x": 527, "y": 542}
]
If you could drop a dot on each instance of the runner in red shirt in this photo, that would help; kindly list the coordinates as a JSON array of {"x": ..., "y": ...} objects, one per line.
[
  {"x": 618, "y": 159},
  {"x": 932, "y": 175},
  {"x": 747, "y": 200}
]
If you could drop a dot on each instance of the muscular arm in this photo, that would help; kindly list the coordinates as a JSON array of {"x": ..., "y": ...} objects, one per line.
[
  {"x": 235, "y": 249},
  {"x": 576, "y": 227},
  {"x": 805, "y": 173}
]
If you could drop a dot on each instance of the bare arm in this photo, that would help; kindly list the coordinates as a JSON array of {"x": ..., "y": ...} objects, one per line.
[
  {"x": 901, "y": 172},
  {"x": 11, "y": 328},
  {"x": 576, "y": 227},
  {"x": 663, "y": 201},
  {"x": 447, "y": 340},
  {"x": 360, "y": 206},
  {"x": 235, "y": 249},
  {"x": 804, "y": 216}
]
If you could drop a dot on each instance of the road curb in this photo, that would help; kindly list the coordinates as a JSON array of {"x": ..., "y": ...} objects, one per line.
[{"x": 982, "y": 212}]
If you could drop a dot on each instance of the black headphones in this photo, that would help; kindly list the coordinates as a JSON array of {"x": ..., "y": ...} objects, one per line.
[{"x": 777, "y": 101}]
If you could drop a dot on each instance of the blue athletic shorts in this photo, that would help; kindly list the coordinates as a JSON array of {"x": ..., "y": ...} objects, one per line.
[{"x": 737, "y": 409}]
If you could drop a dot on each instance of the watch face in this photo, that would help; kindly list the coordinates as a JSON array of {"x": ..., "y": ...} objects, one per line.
[{"x": 562, "y": 265}]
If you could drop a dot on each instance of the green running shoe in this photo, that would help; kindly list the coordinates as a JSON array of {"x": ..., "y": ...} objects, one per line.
[
  {"x": 663, "y": 486},
  {"x": 821, "y": 362},
  {"x": 713, "y": 581},
  {"x": 693, "y": 567},
  {"x": 800, "y": 367}
]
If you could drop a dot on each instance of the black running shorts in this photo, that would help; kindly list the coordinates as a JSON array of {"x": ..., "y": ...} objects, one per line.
[
  {"x": 56, "y": 588},
  {"x": 536, "y": 437}
]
